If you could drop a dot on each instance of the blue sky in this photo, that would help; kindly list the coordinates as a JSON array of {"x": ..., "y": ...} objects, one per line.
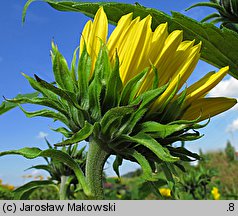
[{"x": 25, "y": 48}]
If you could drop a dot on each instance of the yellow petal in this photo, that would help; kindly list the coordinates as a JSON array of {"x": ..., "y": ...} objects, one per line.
[
  {"x": 121, "y": 43},
  {"x": 155, "y": 47},
  {"x": 165, "y": 58},
  {"x": 203, "y": 86},
  {"x": 133, "y": 54},
  {"x": 208, "y": 107},
  {"x": 180, "y": 58},
  {"x": 119, "y": 33},
  {"x": 84, "y": 40},
  {"x": 94, "y": 33},
  {"x": 180, "y": 77},
  {"x": 157, "y": 43}
]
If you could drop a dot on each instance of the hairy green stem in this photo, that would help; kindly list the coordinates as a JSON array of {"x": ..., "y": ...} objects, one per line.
[
  {"x": 63, "y": 188},
  {"x": 96, "y": 159}
]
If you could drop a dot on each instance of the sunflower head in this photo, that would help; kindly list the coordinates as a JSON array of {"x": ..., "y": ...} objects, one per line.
[
  {"x": 227, "y": 13},
  {"x": 128, "y": 92}
]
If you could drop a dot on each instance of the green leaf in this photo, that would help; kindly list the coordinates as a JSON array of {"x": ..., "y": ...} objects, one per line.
[
  {"x": 167, "y": 172},
  {"x": 150, "y": 143},
  {"x": 54, "y": 154},
  {"x": 42, "y": 167},
  {"x": 145, "y": 165},
  {"x": 117, "y": 162},
  {"x": 220, "y": 47},
  {"x": 23, "y": 192},
  {"x": 161, "y": 130},
  {"x": 6, "y": 105},
  {"x": 81, "y": 135},
  {"x": 151, "y": 187}
]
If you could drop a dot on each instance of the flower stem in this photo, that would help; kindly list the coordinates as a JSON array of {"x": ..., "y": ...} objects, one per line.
[
  {"x": 96, "y": 159},
  {"x": 63, "y": 188}
]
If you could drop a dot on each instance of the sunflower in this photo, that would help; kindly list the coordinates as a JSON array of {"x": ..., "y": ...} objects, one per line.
[
  {"x": 138, "y": 47},
  {"x": 227, "y": 13},
  {"x": 126, "y": 97}
]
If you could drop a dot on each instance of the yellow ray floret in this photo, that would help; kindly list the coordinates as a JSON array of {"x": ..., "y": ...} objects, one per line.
[
  {"x": 138, "y": 47},
  {"x": 208, "y": 107}
]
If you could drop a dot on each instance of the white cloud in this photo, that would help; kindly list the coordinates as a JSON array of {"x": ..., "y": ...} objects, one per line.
[
  {"x": 233, "y": 126},
  {"x": 226, "y": 88},
  {"x": 42, "y": 135}
]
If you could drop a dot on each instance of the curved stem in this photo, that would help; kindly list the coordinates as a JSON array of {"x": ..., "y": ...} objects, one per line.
[{"x": 96, "y": 159}]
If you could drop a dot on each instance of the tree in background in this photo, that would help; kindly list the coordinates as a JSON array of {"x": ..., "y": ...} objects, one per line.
[{"x": 230, "y": 151}]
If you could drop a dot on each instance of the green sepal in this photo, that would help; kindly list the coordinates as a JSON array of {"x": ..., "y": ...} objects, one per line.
[
  {"x": 114, "y": 115},
  {"x": 7, "y": 105},
  {"x": 81, "y": 135},
  {"x": 84, "y": 68},
  {"x": 156, "y": 77},
  {"x": 64, "y": 94},
  {"x": 183, "y": 151},
  {"x": 149, "y": 97},
  {"x": 61, "y": 70},
  {"x": 211, "y": 16},
  {"x": 173, "y": 110},
  {"x": 35, "y": 85},
  {"x": 57, "y": 105},
  {"x": 184, "y": 137},
  {"x": 46, "y": 113},
  {"x": 114, "y": 87},
  {"x": 169, "y": 99},
  {"x": 131, "y": 88},
  {"x": 98, "y": 83},
  {"x": 129, "y": 125},
  {"x": 73, "y": 67},
  {"x": 208, "y": 4},
  {"x": 150, "y": 143},
  {"x": 63, "y": 131},
  {"x": 162, "y": 131}
]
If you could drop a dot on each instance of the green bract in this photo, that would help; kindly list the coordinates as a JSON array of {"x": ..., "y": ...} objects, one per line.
[{"x": 228, "y": 13}]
